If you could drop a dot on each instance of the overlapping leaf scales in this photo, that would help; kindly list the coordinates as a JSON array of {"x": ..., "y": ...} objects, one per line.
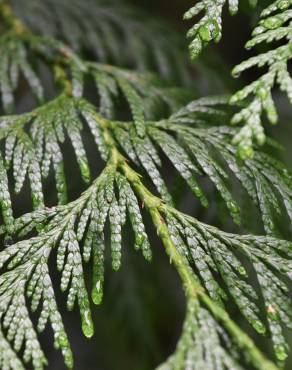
[
  {"x": 142, "y": 91},
  {"x": 8, "y": 359},
  {"x": 129, "y": 200},
  {"x": 209, "y": 151},
  {"x": 34, "y": 141},
  {"x": 76, "y": 231},
  {"x": 274, "y": 26},
  {"x": 147, "y": 156},
  {"x": 209, "y": 27},
  {"x": 211, "y": 251},
  {"x": 203, "y": 343},
  {"x": 65, "y": 228}
]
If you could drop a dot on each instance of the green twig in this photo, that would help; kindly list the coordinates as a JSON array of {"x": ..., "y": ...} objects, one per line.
[{"x": 193, "y": 289}]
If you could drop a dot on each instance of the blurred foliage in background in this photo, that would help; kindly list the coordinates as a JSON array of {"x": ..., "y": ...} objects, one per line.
[{"x": 140, "y": 320}]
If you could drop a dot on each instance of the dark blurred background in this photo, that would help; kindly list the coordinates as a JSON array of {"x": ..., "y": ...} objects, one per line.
[{"x": 140, "y": 320}]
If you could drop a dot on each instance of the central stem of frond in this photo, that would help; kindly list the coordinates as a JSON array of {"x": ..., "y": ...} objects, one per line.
[{"x": 193, "y": 288}]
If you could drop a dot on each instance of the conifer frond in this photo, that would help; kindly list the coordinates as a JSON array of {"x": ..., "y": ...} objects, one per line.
[
  {"x": 33, "y": 146},
  {"x": 209, "y": 27},
  {"x": 76, "y": 231},
  {"x": 211, "y": 251},
  {"x": 197, "y": 152},
  {"x": 201, "y": 344},
  {"x": 274, "y": 26},
  {"x": 145, "y": 94},
  {"x": 33, "y": 140},
  {"x": 217, "y": 269},
  {"x": 64, "y": 228}
]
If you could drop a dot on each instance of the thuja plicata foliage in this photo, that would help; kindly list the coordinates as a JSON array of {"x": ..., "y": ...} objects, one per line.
[
  {"x": 75, "y": 41},
  {"x": 274, "y": 25}
]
